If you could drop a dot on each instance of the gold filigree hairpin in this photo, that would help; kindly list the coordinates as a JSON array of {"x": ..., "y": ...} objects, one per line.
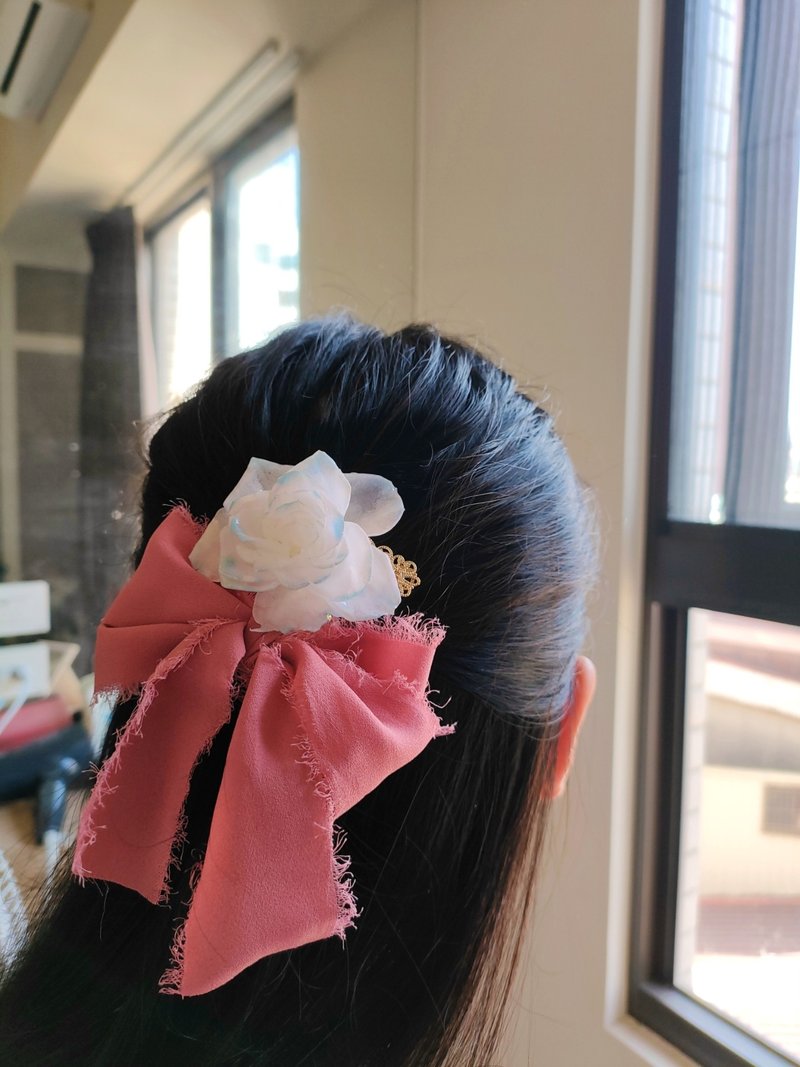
[{"x": 405, "y": 570}]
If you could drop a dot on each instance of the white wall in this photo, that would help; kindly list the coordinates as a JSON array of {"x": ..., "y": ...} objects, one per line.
[{"x": 356, "y": 111}]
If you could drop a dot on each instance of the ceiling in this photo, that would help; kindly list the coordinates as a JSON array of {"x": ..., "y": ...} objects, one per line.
[{"x": 162, "y": 67}]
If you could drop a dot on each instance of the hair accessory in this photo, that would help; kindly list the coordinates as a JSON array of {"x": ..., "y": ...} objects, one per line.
[
  {"x": 405, "y": 571},
  {"x": 299, "y": 537},
  {"x": 326, "y": 715}
]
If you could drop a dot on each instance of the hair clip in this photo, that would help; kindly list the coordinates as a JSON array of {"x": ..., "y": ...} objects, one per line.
[
  {"x": 405, "y": 571},
  {"x": 322, "y": 722}
]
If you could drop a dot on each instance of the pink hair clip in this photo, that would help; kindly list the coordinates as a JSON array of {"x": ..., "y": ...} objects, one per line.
[{"x": 328, "y": 712}]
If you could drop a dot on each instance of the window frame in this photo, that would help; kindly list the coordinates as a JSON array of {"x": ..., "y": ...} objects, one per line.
[
  {"x": 770, "y": 824},
  {"x": 742, "y": 570},
  {"x": 212, "y": 183}
]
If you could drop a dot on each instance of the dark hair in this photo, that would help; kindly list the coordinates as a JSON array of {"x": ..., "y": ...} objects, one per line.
[{"x": 444, "y": 851}]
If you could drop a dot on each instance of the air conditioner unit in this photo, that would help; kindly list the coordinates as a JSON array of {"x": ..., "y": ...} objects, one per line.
[{"x": 37, "y": 41}]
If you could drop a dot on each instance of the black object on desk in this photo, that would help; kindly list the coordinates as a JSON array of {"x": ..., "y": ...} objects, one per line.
[{"x": 46, "y": 768}]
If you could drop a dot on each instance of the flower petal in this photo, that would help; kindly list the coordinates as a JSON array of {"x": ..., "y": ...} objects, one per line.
[
  {"x": 380, "y": 596},
  {"x": 375, "y": 503},
  {"x": 349, "y": 577},
  {"x": 291, "y": 609},
  {"x": 204, "y": 557},
  {"x": 239, "y": 566},
  {"x": 318, "y": 473},
  {"x": 261, "y": 475}
]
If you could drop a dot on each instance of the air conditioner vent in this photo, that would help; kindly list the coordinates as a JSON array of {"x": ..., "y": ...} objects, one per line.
[{"x": 38, "y": 38}]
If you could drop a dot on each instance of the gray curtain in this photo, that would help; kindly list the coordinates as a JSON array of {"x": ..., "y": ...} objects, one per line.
[{"x": 109, "y": 409}]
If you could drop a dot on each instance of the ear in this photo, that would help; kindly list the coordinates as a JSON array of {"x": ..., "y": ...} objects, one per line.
[{"x": 583, "y": 688}]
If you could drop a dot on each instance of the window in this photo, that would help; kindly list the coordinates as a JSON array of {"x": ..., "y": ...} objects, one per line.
[
  {"x": 224, "y": 265},
  {"x": 737, "y": 940},
  {"x": 715, "y": 963},
  {"x": 181, "y": 261},
  {"x": 261, "y": 248},
  {"x": 781, "y": 809}
]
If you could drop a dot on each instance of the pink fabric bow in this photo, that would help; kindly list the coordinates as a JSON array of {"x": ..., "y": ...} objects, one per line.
[{"x": 325, "y": 717}]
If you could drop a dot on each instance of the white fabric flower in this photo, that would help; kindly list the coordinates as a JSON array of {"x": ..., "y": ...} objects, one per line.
[{"x": 299, "y": 537}]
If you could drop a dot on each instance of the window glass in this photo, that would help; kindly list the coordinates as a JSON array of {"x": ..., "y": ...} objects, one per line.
[
  {"x": 793, "y": 471},
  {"x": 181, "y": 264},
  {"x": 735, "y": 440},
  {"x": 737, "y": 943},
  {"x": 261, "y": 241}
]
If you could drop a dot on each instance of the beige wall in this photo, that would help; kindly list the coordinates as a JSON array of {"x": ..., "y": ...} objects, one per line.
[{"x": 356, "y": 112}]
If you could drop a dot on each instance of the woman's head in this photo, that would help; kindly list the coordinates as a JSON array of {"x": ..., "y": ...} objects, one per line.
[
  {"x": 494, "y": 514},
  {"x": 443, "y": 852}
]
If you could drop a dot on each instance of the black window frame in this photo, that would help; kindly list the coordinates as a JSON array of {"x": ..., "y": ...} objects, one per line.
[{"x": 743, "y": 570}]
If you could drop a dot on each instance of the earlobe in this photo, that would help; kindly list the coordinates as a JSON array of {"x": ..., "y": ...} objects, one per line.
[{"x": 583, "y": 688}]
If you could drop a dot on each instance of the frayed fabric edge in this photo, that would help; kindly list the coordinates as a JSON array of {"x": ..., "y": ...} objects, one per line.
[
  {"x": 347, "y": 910},
  {"x": 87, "y": 833},
  {"x": 171, "y": 980},
  {"x": 417, "y": 627}
]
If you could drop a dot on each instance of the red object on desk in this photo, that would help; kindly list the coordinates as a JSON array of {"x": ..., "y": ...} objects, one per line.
[{"x": 35, "y": 719}]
